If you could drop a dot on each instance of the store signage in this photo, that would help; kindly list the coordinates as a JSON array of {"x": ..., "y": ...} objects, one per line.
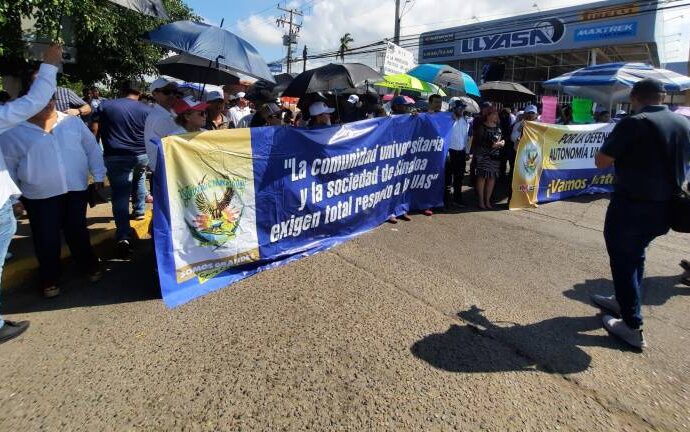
[{"x": 547, "y": 32}]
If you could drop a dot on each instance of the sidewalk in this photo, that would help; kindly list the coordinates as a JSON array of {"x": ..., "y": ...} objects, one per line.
[{"x": 20, "y": 270}]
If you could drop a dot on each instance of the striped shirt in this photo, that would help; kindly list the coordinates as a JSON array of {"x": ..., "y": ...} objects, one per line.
[{"x": 66, "y": 99}]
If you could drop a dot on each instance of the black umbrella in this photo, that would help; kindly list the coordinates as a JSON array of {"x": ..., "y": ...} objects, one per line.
[
  {"x": 504, "y": 91},
  {"x": 193, "y": 69},
  {"x": 277, "y": 88},
  {"x": 152, "y": 8},
  {"x": 332, "y": 77}
]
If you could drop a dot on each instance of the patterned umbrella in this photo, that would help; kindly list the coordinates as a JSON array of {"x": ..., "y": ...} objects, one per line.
[
  {"x": 445, "y": 76},
  {"x": 610, "y": 83}
]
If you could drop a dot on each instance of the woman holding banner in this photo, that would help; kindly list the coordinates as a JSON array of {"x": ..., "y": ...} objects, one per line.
[{"x": 488, "y": 143}]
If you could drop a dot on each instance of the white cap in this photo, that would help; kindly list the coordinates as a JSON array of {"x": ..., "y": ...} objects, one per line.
[
  {"x": 318, "y": 108},
  {"x": 239, "y": 95},
  {"x": 214, "y": 95},
  {"x": 353, "y": 99},
  {"x": 531, "y": 109},
  {"x": 159, "y": 83}
]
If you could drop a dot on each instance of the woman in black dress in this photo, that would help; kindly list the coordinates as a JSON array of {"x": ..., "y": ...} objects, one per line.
[{"x": 487, "y": 144}]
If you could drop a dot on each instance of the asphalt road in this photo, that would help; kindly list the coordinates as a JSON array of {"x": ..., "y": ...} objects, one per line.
[{"x": 468, "y": 321}]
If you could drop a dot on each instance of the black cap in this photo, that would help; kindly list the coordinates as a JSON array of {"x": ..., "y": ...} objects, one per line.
[{"x": 647, "y": 86}]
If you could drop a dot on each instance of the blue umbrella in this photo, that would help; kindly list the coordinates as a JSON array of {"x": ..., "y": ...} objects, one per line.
[
  {"x": 611, "y": 82},
  {"x": 445, "y": 76},
  {"x": 213, "y": 44}
]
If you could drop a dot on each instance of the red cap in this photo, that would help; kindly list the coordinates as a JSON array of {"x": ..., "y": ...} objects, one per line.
[{"x": 189, "y": 104}]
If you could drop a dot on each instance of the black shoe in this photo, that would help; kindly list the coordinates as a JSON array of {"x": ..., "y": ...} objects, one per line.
[
  {"x": 12, "y": 329},
  {"x": 124, "y": 249}
]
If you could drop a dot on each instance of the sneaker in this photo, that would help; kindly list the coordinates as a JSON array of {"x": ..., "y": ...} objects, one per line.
[
  {"x": 51, "y": 291},
  {"x": 428, "y": 212},
  {"x": 124, "y": 249},
  {"x": 609, "y": 303},
  {"x": 620, "y": 329},
  {"x": 12, "y": 329}
]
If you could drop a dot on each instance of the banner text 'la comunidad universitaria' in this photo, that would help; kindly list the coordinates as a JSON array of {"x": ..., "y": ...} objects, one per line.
[
  {"x": 231, "y": 203},
  {"x": 556, "y": 162}
]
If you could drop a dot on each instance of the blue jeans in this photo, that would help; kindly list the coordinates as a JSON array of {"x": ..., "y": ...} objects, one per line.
[
  {"x": 8, "y": 226},
  {"x": 127, "y": 178},
  {"x": 629, "y": 228}
]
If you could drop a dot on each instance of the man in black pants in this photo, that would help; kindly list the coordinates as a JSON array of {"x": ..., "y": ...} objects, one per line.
[
  {"x": 457, "y": 155},
  {"x": 651, "y": 150}
]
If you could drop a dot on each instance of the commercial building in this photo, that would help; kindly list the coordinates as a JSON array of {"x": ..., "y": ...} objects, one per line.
[{"x": 535, "y": 47}]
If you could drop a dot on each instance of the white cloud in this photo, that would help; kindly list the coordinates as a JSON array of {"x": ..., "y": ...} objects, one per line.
[{"x": 260, "y": 30}]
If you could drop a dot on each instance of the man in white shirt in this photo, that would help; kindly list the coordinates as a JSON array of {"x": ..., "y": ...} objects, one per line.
[
  {"x": 11, "y": 114},
  {"x": 240, "y": 111},
  {"x": 161, "y": 120},
  {"x": 457, "y": 154},
  {"x": 50, "y": 157}
]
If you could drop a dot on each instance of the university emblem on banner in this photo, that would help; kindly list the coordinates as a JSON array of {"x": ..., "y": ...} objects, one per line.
[
  {"x": 216, "y": 209},
  {"x": 529, "y": 161}
]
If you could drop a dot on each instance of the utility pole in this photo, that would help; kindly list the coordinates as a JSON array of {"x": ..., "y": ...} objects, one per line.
[
  {"x": 304, "y": 59},
  {"x": 293, "y": 29},
  {"x": 396, "y": 37}
]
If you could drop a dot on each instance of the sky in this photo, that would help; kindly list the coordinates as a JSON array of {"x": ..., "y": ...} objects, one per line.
[{"x": 325, "y": 21}]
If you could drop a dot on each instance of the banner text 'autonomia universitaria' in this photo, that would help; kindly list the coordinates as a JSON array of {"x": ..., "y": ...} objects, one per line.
[{"x": 555, "y": 162}]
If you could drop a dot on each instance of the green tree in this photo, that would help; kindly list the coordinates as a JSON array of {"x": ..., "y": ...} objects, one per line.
[
  {"x": 344, "y": 46},
  {"x": 107, "y": 37}
]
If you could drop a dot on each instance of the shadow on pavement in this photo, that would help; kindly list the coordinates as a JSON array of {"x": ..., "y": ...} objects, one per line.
[
  {"x": 657, "y": 290},
  {"x": 552, "y": 345},
  {"x": 123, "y": 282}
]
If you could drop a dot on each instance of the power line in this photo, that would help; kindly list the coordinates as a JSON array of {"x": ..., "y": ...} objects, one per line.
[{"x": 495, "y": 28}]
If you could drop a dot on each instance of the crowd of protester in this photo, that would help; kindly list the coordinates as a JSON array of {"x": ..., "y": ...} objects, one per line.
[{"x": 59, "y": 148}]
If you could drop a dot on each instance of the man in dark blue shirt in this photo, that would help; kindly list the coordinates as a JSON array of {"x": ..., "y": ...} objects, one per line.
[
  {"x": 121, "y": 126},
  {"x": 650, "y": 150}
]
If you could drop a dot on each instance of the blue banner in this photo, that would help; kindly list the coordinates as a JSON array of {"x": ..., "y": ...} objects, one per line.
[{"x": 231, "y": 203}]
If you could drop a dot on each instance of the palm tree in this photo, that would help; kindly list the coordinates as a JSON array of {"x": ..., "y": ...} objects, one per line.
[{"x": 344, "y": 46}]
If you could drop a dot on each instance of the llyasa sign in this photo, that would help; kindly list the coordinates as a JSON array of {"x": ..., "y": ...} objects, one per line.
[
  {"x": 546, "y": 32},
  {"x": 610, "y": 12}
]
